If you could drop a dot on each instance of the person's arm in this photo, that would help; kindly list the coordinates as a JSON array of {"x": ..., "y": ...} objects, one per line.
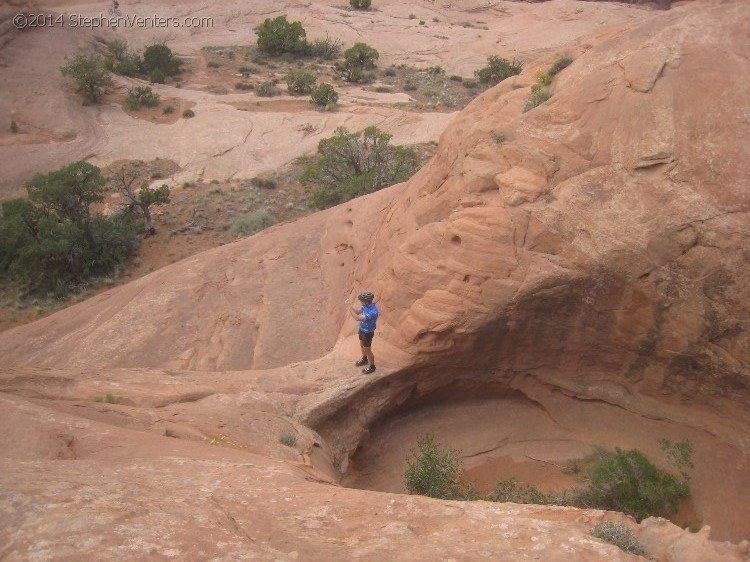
[{"x": 355, "y": 312}]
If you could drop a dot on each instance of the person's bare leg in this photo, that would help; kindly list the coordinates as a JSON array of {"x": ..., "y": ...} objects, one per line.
[
  {"x": 364, "y": 351},
  {"x": 367, "y": 352}
]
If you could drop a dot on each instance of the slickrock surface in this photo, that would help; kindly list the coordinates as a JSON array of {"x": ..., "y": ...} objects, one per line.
[{"x": 590, "y": 270}]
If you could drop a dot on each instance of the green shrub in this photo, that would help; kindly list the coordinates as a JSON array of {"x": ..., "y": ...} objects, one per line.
[
  {"x": 108, "y": 398},
  {"x": 247, "y": 224},
  {"x": 156, "y": 76},
  {"x": 353, "y": 164},
  {"x": 412, "y": 16},
  {"x": 539, "y": 95},
  {"x": 627, "y": 481},
  {"x": 13, "y": 126},
  {"x": 246, "y": 70},
  {"x": 357, "y": 59},
  {"x": 389, "y": 72},
  {"x": 497, "y": 70},
  {"x": 213, "y": 64},
  {"x": 118, "y": 48},
  {"x": 267, "y": 89},
  {"x": 456, "y": 78},
  {"x": 139, "y": 96},
  {"x": 409, "y": 86},
  {"x": 299, "y": 82},
  {"x": 52, "y": 242},
  {"x": 243, "y": 86},
  {"x": 288, "y": 438},
  {"x": 511, "y": 491},
  {"x": 324, "y": 96},
  {"x": 434, "y": 472},
  {"x": 167, "y": 109},
  {"x": 278, "y": 36},
  {"x": 360, "y": 4},
  {"x": 87, "y": 71},
  {"x": 618, "y": 535},
  {"x": 560, "y": 64},
  {"x": 160, "y": 57},
  {"x": 264, "y": 183},
  {"x": 188, "y": 113},
  {"x": 469, "y": 84},
  {"x": 327, "y": 49},
  {"x": 121, "y": 60},
  {"x": 544, "y": 78}
]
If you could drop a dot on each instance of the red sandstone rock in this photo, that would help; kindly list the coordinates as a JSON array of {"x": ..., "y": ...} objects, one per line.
[{"x": 597, "y": 256}]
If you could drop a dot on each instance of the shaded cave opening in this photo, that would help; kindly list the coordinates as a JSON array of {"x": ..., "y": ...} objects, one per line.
[{"x": 537, "y": 436}]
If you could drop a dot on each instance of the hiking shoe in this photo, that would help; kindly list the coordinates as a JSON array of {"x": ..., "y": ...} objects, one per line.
[
  {"x": 361, "y": 362},
  {"x": 369, "y": 369}
]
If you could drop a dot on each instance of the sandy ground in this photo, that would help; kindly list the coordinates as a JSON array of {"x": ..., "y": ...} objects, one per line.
[{"x": 223, "y": 142}]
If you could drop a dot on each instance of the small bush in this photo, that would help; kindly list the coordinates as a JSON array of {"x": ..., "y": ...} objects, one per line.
[
  {"x": 421, "y": 22},
  {"x": 539, "y": 95},
  {"x": 267, "y": 89},
  {"x": 13, "y": 126},
  {"x": 357, "y": 59},
  {"x": 409, "y": 86},
  {"x": 246, "y": 69},
  {"x": 434, "y": 472},
  {"x": 389, "y": 72},
  {"x": 353, "y": 164},
  {"x": 213, "y": 64},
  {"x": 497, "y": 70},
  {"x": 288, "y": 438},
  {"x": 544, "y": 78},
  {"x": 499, "y": 138},
  {"x": 470, "y": 84},
  {"x": 243, "y": 86},
  {"x": 511, "y": 491},
  {"x": 167, "y": 109},
  {"x": 560, "y": 64},
  {"x": 89, "y": 74},
  {"x": 188, "y": 113},
  {"x": 618, "y": 535},
  {"x": 412, "y": 16},
  {"x": 327, "y": 49},
  {"x": 264, "y": 183},
  {"x": 360, "y": 4},
  {"x": 278, "y": 36},
  {"x": 627, "y": 481},
  {"x": 160, "y": 57},
  {"x": 118, "y": 48},
  {"x": 299, "y": 82},
  {"x": 108, "y": 398},
  {"x": 157, "y": 76},
  {"x": 456, "y": 78},
  {"x": 324, "y": 96},
  {"x": 141, "y": 96},
  {"x": 247, "y": 224}
]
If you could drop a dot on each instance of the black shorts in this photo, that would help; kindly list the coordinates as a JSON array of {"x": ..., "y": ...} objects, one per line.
[{"x": 365, "y": 338}]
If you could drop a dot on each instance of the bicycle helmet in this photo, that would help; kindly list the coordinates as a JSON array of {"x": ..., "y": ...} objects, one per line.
[{"x": 366, "y": 297}]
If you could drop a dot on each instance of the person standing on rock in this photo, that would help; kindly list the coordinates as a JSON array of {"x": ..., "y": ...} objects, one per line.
[{"x": 367, "y": 317}]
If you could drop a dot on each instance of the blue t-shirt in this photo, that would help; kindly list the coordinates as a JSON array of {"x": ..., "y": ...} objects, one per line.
[{"x": 370, "y": 312}]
